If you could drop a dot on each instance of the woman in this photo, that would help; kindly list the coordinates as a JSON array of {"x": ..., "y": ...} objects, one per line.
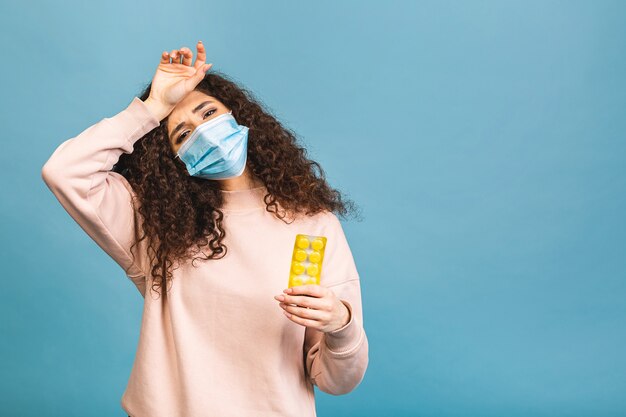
[{"x": 198, "y": 193}]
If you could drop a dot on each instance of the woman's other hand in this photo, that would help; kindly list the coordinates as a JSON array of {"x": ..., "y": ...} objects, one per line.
[
  {"x": 174, "y": 80},
  {"x": 316, "y": 306}
]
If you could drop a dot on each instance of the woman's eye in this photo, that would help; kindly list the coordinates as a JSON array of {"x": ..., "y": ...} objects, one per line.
[{"x": 181, "y": 137}]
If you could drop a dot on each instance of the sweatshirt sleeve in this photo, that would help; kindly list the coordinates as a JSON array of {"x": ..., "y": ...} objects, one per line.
[
  {"x": 79, "y": 175},
  {"x": 336, "y": 361}
]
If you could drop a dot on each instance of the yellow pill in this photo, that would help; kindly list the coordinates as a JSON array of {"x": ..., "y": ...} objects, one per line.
[
  {"x": 312, "y": 280},
  {"x": 315, "y": 257},
  {"x": 297, "y": 268},
  {"x": 300, "y": 255},
  {"x": 317, "y": 244},
  {"x": 303, "y": 243},
  {"x": 312, "y": 270},
  {"x": 296, "y": 281}
]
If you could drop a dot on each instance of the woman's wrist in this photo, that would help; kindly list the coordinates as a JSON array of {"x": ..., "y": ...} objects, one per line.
[{"x": 157, "y": 109}]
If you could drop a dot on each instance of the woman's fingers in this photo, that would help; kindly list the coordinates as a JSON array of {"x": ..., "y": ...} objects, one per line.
[
  {"x": 175, "y": 56},
  {"x": 187, "y": 55},
  {"x": 304, "y": 312},
  {"x": 201, "y": 57},
  {"x": 305, "y": 301}
]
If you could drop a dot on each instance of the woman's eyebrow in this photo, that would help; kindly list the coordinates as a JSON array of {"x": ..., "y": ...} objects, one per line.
[{"x": 195, "y": 110}]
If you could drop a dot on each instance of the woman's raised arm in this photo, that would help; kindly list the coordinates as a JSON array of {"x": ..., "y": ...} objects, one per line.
[
  {"x": 79, "y": 174},
  {"x": 79, "y": 171}
]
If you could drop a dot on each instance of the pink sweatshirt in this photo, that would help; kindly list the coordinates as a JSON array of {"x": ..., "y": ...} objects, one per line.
[{"x": 221, "y": 345}]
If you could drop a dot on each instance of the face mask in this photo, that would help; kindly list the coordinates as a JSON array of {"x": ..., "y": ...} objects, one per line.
[{"x": 217, "y": 149}]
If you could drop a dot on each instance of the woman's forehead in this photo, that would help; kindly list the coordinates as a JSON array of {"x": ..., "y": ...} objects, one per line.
[
  {"x": 187, "y": 106},
  {"x": 190, "y": 101}
]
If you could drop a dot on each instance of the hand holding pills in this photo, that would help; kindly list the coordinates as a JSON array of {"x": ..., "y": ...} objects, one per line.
[{"x": 314, "y": 306}]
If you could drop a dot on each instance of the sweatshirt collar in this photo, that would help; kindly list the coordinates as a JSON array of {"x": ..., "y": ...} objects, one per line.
[{"x": 245, "y": 199}]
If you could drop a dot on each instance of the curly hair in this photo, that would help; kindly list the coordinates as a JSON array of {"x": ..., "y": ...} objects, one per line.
[{"x": 166, "y": 193}]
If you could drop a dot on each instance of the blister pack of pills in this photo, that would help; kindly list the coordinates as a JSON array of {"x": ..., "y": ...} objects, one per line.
[{"x": 306, "y": 260}]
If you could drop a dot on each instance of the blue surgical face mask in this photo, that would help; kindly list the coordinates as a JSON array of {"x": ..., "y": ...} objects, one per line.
[{"x": 217, "y": 149}]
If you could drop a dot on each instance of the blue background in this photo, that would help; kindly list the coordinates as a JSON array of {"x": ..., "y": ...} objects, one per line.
[{"x": 484, "y": 141}]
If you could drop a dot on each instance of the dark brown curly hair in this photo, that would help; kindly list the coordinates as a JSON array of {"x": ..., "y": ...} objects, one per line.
[{"x": 166, "y": 193}]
